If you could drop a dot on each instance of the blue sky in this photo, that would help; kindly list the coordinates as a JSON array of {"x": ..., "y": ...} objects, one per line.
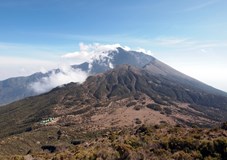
[{"x": 189, "y": 35}]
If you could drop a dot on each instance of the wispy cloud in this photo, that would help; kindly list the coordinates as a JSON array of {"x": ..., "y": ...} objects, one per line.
[
  {"x": 182, "y": 43},
  {"x": 148, "y": 43},
  {"x": 201, "y": 5},
  {"x": 170, "y": 41}
]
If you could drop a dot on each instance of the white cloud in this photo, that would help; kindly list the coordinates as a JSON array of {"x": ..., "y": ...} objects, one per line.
[
  {"x": 148, "y": 52},
  {"x": 88, "y": 52},
  {"x": 66, "y": 75},
  {"x": 16, "y": 66},
  {"x": 203, "y": 50}
]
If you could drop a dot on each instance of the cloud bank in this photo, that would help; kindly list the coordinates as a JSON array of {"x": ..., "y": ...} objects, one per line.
[{"x": 66, "y": 75}]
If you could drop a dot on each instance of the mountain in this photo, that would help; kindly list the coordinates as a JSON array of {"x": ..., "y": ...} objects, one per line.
[
  {"x": 123, "y": 90},
  {"x": 20, "y": 87},
  {"x": 116, "y": 103}
]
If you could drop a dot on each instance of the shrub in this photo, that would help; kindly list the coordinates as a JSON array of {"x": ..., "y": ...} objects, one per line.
[
  {"x": 134, "y": 142},
  {"x": 138, "y": 121},
  {"x": 49, "y": 148},
  {"x": 181, "y": 155},
  {"x": 76, "y": 142},
  {"x": 206, "y": 148},
  {"x": 136, "y": 96},
  {"x": 154, "y": 106},
  {"x": 220, "y": 146},
  {"x": 224, "y": 126},
  {"x": 177, "y": 144},
  {"x": 29, "y": 129},
  {"x": 159, "y": 101},
  {"x": 138, "y": 107},
  {"x": 167, "y": 111},
  {"x": 131, "y": 104},
  {"x": 142, "y": 129}
]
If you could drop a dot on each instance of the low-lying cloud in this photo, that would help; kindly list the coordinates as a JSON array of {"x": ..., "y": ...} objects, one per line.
[{"x": 66, "y": 75}]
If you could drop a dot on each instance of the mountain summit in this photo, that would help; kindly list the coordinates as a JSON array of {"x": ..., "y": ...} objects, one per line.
[{"x": 110, "y": 59}]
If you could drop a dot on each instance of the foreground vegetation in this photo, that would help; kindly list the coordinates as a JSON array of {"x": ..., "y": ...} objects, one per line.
[{"x": 142, "y": 142}]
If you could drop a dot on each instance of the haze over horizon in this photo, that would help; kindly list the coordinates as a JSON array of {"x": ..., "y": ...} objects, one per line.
[{"x": 189, "y": 36}]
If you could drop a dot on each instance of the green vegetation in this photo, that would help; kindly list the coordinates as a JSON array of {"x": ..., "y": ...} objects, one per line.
[
  {"x": 144, "y": 142},
  {"x": 131, "y": 104},
  {"x": 155, "y": 107},
  {"x": 224, "y": 126}
]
